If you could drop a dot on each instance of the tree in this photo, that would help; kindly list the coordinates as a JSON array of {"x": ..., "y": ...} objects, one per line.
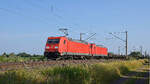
[
  {"x": 23, "y": 54},
  {"x": 136, "y": 54},
  {"x": 5, "y": 55},
  {"x": 12, "y": 55}
]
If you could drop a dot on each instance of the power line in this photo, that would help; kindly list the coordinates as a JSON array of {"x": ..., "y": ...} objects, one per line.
[
  {"x": 20, "y": 14},
  {"x": 52, "y": 9},
  {"x": 116, "y": 37},
  {"x": 10, "y": 11},
  {"x": 91, "y": 36},
  {"x": 59, "y": 18},
  {"x": 126, "y": 41},
  {"x": 64, "y": 30}
]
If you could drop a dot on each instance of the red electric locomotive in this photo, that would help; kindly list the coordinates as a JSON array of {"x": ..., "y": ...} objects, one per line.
[{"x": 66, "y": 47}]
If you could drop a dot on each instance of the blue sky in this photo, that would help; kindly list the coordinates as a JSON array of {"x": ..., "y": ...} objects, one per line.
[{"x": 26, "y": 24}]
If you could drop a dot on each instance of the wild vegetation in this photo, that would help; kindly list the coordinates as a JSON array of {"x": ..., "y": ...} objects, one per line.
[
  {"x": 99, "y": 73},
  {"x": 20, "y": 57},
  {"x": 139, "y": 75},
  {"x": 132, "y": 55}
]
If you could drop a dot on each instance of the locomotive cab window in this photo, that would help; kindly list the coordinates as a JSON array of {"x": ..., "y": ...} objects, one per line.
[
  {"x": 53, "y": 41},
  {"x": 64, "y": 41}
]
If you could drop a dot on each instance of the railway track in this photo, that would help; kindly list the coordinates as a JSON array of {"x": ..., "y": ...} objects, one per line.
[{"x": 35, "y": 64}]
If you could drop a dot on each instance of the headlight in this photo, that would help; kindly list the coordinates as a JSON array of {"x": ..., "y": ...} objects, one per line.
[
  {"x": 56, "y": 47},
  {"x": 47, "y": 47}
]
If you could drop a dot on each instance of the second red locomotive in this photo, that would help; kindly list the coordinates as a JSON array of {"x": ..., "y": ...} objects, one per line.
[{"x": 57, "y": 47}]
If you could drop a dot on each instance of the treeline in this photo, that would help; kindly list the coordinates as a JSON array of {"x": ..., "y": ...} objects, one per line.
[
  {"x": 135, "y": 54},
  {"x": 23, "y": 54},
  {"x": 20, "y": 57}
]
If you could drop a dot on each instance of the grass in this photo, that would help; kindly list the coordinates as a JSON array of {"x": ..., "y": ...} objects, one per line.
[
  {"x": 99, "y": 73},
  {"x": 21, "y": 77},
  {"x": 67, "y": 75},
  {"x": 139, "y": 76},
  {"x": 19, "y": 59}
]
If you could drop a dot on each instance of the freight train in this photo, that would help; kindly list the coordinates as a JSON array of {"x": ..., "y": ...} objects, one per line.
[{"x": 64, "y": 47}]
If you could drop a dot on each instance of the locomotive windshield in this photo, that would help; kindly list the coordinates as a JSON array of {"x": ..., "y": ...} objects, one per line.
[{"x": 53, "y": 41}]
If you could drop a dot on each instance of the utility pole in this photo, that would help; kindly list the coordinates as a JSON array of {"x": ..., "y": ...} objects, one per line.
[
  {"x": 81, "y": 34},
  {"x": 119, "y": 50},
  {"x": 141, "y": 50},
  {"x": 126, "y": 44},
  {"x": 145, "y": 53},
  {"x": 126, "y": 41}
]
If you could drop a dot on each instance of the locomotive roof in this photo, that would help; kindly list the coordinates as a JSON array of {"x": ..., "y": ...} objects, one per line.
[
  {"x": 80, "y": 41},
  {"x": 101, "y": 46},
  {"x": 85, "y": 42},
  {"x": 76, "y": 40}
]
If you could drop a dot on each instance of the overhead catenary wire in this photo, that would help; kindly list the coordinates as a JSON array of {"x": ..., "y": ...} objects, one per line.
[
  {"x": 59, "y": 18},
  {"x": 10, "y": 11},
  {"x": 29, "y": 2},
  {"x": 53, "y": 11},
  {"x": 126, "y": 41},
  {"x": 91, "y": 36},
  {"x": 22, "y": 15}
]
